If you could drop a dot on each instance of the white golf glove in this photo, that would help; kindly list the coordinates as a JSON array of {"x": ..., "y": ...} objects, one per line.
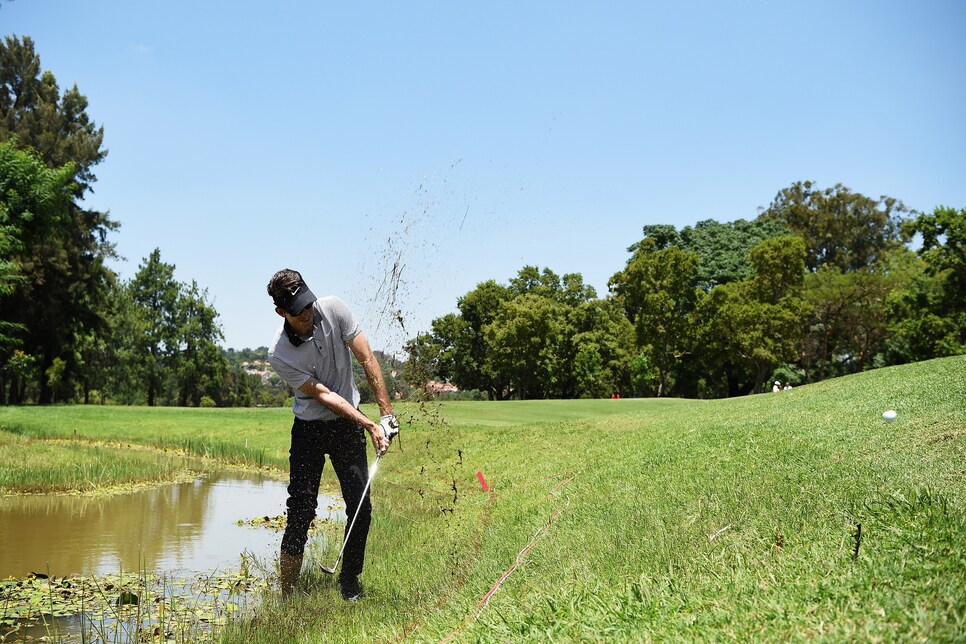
[{"x": 390, "y": 426}]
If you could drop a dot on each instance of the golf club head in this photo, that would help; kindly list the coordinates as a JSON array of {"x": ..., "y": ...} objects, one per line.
[{"x": 331, "y": 570}]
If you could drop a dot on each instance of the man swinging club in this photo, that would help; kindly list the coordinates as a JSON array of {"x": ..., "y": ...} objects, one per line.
[{"x": 311, "y": 352}]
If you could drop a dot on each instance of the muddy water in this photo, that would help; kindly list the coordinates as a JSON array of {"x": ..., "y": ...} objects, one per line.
[{"x": 174, "y": 528}]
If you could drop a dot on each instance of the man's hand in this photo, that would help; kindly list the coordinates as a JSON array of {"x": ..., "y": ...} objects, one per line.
[{"x": 379, "y": 440}]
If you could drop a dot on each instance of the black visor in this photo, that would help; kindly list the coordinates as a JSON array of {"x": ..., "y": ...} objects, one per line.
[{"x": 295, "y": 300}]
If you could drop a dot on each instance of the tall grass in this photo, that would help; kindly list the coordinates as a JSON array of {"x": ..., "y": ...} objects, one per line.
[
  {"x": 254, "y": 437},
  {"x": 31, "y": 465}
]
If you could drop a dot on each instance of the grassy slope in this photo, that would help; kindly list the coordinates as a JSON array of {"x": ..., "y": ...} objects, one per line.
[
  {"x": 674, "y": 520},
  {"x": 688, "y": 519}
]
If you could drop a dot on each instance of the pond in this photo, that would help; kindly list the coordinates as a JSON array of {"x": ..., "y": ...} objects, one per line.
[{"x": 176, "y": 530}]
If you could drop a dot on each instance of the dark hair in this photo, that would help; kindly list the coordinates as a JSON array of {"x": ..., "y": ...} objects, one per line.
[{"x": 282, "y": 283}]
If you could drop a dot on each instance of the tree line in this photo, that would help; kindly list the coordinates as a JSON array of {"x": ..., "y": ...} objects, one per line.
[
  {"x": 70, "y": 330},
  {"x": 821, "y": 283}
]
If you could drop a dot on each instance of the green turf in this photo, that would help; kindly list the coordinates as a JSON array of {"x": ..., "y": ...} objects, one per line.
[{"x": 635, "y": 520}]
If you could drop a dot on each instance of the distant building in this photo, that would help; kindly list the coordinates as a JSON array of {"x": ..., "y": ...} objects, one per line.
[
  {"x": 257, "y": 368},
  {"x": 436, "y": 387}
]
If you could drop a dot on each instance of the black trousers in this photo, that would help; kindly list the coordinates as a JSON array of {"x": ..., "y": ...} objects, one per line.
[{"x": 345, "y": 443}]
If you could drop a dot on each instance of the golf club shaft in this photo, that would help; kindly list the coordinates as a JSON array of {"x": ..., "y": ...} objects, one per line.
[{"x": 362, "y": 499}]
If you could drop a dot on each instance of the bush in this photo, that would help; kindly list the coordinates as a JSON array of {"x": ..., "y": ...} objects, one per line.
[{"x": 207, "y": 401}]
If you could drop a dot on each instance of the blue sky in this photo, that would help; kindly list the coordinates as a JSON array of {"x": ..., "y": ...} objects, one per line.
[{"x": 460, "y": 141}]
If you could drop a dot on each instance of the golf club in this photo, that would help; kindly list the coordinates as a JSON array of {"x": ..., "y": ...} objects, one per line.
[
  {"x": 372, "y": 473},
  {"x": 390, "y": 429}
]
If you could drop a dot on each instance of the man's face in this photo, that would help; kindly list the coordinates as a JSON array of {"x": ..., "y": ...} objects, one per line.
[{"x": 302, "y": 323}]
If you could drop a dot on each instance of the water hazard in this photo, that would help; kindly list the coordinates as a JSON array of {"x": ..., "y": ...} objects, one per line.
[
  {"x": 180, "y": 527},
  {"x": 183, "y": 530}
]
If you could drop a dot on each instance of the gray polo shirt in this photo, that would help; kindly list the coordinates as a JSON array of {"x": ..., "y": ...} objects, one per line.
[{"x": 326, "y": 357}]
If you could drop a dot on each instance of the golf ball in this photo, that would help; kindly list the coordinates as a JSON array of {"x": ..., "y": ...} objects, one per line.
[{"x": 889, "y": 415}]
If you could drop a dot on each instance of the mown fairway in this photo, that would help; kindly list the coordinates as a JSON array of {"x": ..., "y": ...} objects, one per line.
[{"x": 640, "y": 520}]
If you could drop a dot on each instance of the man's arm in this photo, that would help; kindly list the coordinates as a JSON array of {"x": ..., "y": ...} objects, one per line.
[
  {"x": 363, "y": 353},
  {"x": 344, "y": 408}
]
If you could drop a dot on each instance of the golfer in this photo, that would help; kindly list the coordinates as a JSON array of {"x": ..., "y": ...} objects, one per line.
[{"x": 310, "y": 352}]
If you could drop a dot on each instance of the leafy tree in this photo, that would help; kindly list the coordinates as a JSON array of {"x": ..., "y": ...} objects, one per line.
[
  {"x": 526, "y": 346},
  {"x": 936, "y": 306},
  {"x": 154, "y": 293},
  {"x": 456, "y": 343},
  {"x": 64, "y": 278},
  {"x": 779, "y": 269},
  {"x": 569, "y": 289},
  {"x": 36, "y": 114},
  {"x": 600, "y": 350},
  {"x": 15, "y": 370},
  {"x": 944, "y": 246},
  {"x": 166, "y": 337},
  {"x": 94, "y": 356},
  {"x": 201, "y": 367},
  {"x": 921, "y": 324},
  {"x": 531, "y": 280},
  {"x": 573, "y": 292},
  {"x": 124, "y": 372},
  {"x": 445, "y": 354},
  {"x": 460, "y": 347},
  {"x": 658, "y": 237},
  {"x": 722, "y": 248},
  {"x": 645, "y": 377},
  {"x": 657, "y": 289},
  {"x": 55, "y": 379},
  {"x": 840, "y": 228},
  {"x": 716, "y": 371},
  {"x": 424, "y": 355},
  {"x": 34, "y": 201},
  {"x": 759, "y": 321},
  {"x": 848, "y": 322},
  {"x": 468, "y": 342}
]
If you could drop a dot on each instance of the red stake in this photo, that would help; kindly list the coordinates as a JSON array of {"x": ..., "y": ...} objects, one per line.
[{"x": 479, "y": 475}]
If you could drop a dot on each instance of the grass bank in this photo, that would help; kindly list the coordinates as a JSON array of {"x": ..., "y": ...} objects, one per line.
[
  {"x": 633, "y": 520},
  {"x": 33, "y": 466}
]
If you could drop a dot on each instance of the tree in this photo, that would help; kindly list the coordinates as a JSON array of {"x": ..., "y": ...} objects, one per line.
[
  {"x": 759, "y": 320},
  {"x": 154, "y": 293},
  {"x": 201, "y": 367},
  {"x": 779, "y": 269},
  {"x": 848, "y": 319},
  {"x": 526, "y": 346},
  {"x": 940, "y": 300},
  {"x": 459, "y": 348},
  {"x": 123, "y": 375},
  {"x": 423, "y": 360},
  {"x": 65, "y": 280},
  {"x": 840, "y": 228},
  {"x": 478, "y": 308},
  {"x": 658, "y": 237},
  {"x": 600, "y": 350},
  {"x": 34, "y": 201},
  {"x": 657, "y": 289},
  {"x": 36, "y": 114},
  {"x": 722, "y": 248}
]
